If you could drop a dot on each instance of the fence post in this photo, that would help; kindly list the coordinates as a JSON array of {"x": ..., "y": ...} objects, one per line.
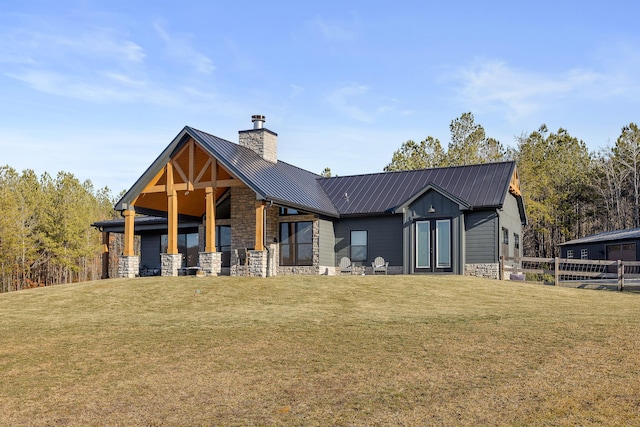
[
  {"x": 501, "y": 267},
  {"x": 620, "y": 275},
  {"x": 556, "y": 268}
]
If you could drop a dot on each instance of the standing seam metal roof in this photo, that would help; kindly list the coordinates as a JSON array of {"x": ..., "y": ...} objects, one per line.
[
  {"x": 483, "y": 185},
  {"x": 280, "y": 182}
]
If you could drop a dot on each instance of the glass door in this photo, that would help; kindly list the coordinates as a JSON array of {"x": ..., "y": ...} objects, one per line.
[{"x": 433, "y": 246}]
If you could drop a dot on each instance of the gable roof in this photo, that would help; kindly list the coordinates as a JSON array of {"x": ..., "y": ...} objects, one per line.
[
  {"x": 278, "y": 182},
  {"x": 632, "y": 233},
  {"x": 472, "y": 186},
  {"x": 478, "y": 186}
]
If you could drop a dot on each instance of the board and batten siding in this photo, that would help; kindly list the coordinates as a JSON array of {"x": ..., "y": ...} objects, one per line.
[
  {"x": 384, "y": 238},
  {"x": 481, "y": 232},
  {"x": 442, "y": 208},
  {"x": 326, "y": 243},
  {"x": 510, "y": 219}
]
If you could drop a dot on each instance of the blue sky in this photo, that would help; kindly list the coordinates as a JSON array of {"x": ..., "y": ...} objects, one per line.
[{"x": 99, "y": 88}]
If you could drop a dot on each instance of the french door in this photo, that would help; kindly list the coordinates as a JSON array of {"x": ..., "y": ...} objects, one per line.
[{"x": 433, "y": 246}]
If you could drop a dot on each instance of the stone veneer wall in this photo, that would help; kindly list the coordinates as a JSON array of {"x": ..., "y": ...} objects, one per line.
[
  {"x": 243, "y": 220},
  {"x": 128, "y": 266},
  {"x": 170, "y": 264},
  {"x": 210, "y": 263},
  {"x": 262, "y": 141},
  {"x": 489, "y": 270},
  {"x": 313, "y": 269}
]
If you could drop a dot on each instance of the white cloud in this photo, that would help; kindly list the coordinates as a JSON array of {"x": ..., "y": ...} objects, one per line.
[
  {"x": 178, "y": 48},
  {"x": 357, "y": 103},
  {"x": 342, "y": 99},
  {"x": 494, "y": 85},
  {"x": 335, "y": 32}
]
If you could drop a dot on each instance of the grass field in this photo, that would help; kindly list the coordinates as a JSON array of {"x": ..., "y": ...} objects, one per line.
[{"x": 403, "y": 350}]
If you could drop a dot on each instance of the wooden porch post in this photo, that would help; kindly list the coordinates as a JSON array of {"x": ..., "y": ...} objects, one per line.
[
  {"x": 105, "y": 255},
  {"x": 129, "y": 216},
  {"x": 172, "y": 237},
  {"x": 210, "y": 223},
  {"x": 172, "y": 213},
  {"x": 259, "y": 226}
]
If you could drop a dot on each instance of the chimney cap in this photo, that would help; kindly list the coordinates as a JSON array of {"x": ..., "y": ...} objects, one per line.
[{"x": 258, "y": 121}]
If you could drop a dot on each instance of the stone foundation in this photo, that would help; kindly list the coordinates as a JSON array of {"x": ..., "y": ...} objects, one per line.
[
  {"x": 257, "y": 265},
  {"x": 288, "y": 270},
  {"x": 128, "y": 266},
  {"x": 171, "y": 264},
  {"x": 489, "y": 270},
  {"x": 210, "y": 263}
]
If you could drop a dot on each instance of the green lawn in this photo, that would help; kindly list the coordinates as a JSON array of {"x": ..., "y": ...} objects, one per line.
[{"x": 403, "y": 350}]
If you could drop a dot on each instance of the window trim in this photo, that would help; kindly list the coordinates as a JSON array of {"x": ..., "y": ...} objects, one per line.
[
  {"x": 293, "y": 245},
  {"x": 365, "y": 246},
  {"x": 505, "y": 236}
]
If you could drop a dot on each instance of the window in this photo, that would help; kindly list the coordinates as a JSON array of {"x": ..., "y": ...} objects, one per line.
[
  {"x": 358, "y": 245},
  {"x": 288, "y": 211},
  {"x": 296, "y": 243},
  {"x": 188, "y": 246},
  {"x": 584, "y": 254},
  {"x": 443, "y": 243},
  {"x": 223, "y": 243},
  {"x": 505, "y": 236},
  {"x": 569, "y": 253},
  {"x": 516, "y": 240}
]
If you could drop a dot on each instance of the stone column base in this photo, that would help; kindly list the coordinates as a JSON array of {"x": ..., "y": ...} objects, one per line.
[
  {"x": 258, "y": 263},
  {"x": 171, "y": 264},
  {"x": 129, "y": 266},
  {"x": 210, "y": 263}
]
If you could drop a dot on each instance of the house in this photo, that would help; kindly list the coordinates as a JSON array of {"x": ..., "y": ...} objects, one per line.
[
  {"x": 612, "y": 245},
  {"x": 225, "y": 208}
]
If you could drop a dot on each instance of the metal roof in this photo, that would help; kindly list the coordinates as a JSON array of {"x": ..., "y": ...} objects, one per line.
[
  {"x": 474, "y": 186},
  {"x": 479, "y": 186},
  {"x": 632, "y": 233},
  {"x": 278, "y": 182}
]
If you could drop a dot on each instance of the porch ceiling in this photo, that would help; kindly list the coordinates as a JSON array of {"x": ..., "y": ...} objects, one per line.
[{"x": 189, "y": 172}]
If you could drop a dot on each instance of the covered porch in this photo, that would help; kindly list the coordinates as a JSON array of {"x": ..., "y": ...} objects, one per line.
[{"x": 188, "y": 184}]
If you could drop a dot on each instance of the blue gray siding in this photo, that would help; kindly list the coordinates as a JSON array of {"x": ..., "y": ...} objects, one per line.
[
  {"x": 510, "y": 219},
  {"x": 442, "y": 208},
  {"x": 481, "y": 234},
  {"x": 384, "y": 238},
  {"x": 150, "y": 251},
  {"x": 326, "y": 243}
]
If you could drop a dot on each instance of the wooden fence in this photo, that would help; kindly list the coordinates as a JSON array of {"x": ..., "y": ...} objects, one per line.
[{"x": 572, "y": 272}]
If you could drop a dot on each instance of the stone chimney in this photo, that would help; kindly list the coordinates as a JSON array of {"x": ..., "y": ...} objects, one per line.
[{"x": 261, "y": 140}]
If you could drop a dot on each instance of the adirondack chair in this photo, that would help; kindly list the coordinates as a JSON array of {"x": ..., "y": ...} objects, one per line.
[
  {"x": 242, "y": 261},
  {"x": 379, "y": 265},
  {"x": 346, "y": 266}
]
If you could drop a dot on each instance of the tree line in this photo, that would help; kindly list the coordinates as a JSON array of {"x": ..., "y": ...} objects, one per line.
[
  {"x": 46, "y": 236},
  {"x": 569, "y": 192}
]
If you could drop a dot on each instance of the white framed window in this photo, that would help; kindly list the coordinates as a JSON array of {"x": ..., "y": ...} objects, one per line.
[
  {"x": 569, "y": 253},
  {"x": 584, "y": 254}
]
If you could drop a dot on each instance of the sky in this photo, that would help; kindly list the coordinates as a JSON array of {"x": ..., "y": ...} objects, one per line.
[{"x": 99, "y": 88}]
